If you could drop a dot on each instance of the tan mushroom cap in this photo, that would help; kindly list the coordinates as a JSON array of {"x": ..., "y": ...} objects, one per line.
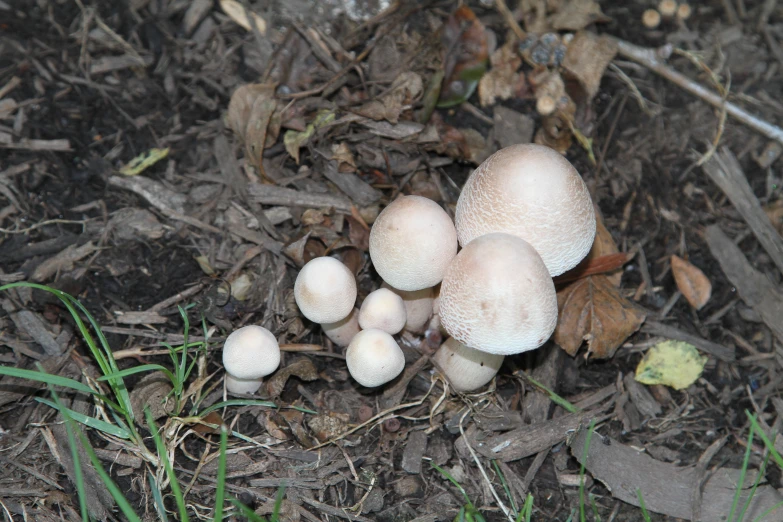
[
  {"x": 467, "y": 369},
  {"x": 384, "y": 310},
  {"x": 498, "y": 297},
  {"x": 234, "y": 385},
  {"x": 412, "y": 242},
  {"x": 325, "y": 290},
  {"x": 418, "y": 306},
  {"x": 251, "y": 352},
  {"x": 374, "y": 358},
  {"x": 533, "y": 192},
  {"x": 343, "y": 331}
]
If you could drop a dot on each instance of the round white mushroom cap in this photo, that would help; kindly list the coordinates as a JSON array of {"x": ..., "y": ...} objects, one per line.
[
  {"x": 418, "y": 306},
  {"x": 498, "y": 297},
  {"x": 374, "y": 358},
  {"x": 384, "y": 310},
  {"x": 467, "y": 369},
  {"x": 234, "y": 385},
  {"x": 343, "y": 331},
  {"x": 533, "y": 192},
  {"x": 251, "y": 352},
  {"x": 325, "y": 290},
  {"x": 412, "y": 242}
]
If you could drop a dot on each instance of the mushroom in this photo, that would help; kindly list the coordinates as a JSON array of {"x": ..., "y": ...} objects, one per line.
[
  {"x": 466, "y": 369},
  {"x": 418, "y": 306},
  {"x": 667, "y": 8},
  {"x": 412, "y": 242},
  {"x": 533, "y": 192},
  {"x": 249, "y": 354},
  {"x": 683, "y": 12},
  {"x": 325, "y": 290},
  {"x": 651, "y": 18},
  {"x": 383, "y": 310},
  {"x": 343, "y": 331},
  {"x": 374, "y": 358},
  {"x": 498, "y": 297}
]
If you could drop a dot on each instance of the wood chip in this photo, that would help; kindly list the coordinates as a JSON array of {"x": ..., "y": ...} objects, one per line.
[
  {"x": 724, "y": 353},
  {"x": 156, "y": 194},
  {"x": 118, "y": 63},
  {"x": 140, "y": 318},
  {"x": 359, "y": 191},
  {"x": 61, "y": 145},
  {"x": 414, "y": 450},
  {"x": 755, "y": 289},
  {"x": 62, "y": 262},
  {"x": 274, "y": 195}
]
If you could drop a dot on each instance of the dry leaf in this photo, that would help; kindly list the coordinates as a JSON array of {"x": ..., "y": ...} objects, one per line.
[
  {"x": 692, "y": 282},
  {"x": 575, "y": 15},
  {"x": 212, "y": 417},
  {"x": 242, "y": 100},
  {"x": 466, "y": 48},
  {"x": 592, "y": 310},
  {"x": 244, "y": 18},
  {"x": 152, "y": 391},
  {"x": 302, "y": 368},
  {"x": 257, "y": 126},
  {"x": 603, "y": 256},
  {"x": 774, "y": 212},
  {"x": 327, "y": 427},
  {"x": 406, "y": 89},
  {"x": 501, "y": 81},
  {"x": 586, "y": 59}
]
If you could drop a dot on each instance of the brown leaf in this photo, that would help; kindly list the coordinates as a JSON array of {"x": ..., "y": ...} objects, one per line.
[
  {"x": 501, "y": 81},
  {"x": 592, "y": 309},
  {"x": 575, "y": 15},
  {"x": 257, "y": 125},
  {"x": 242, "y": 100},
  {"x": 212, "y": 417},
  {"x": 302, "y": 368},
  {"x": 604, "y": 257},
  {"x": 586, "y": 59},
  {"x": 327, "y": 427},
  {"x": 692, "y": 282}
]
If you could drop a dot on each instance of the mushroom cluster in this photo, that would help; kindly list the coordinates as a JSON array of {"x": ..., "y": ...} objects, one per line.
[{"x": 524, "y": 216}]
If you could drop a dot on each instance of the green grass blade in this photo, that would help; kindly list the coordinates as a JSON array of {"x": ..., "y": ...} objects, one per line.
[
  {"x": 645, "y": 514},
  {"x": 756, "y": 483},
  {"x": 56, "y": 380},
  {"x": 236, "y": 402},
  {"x": 552, "y": 395},
  {"x": 767, "y": 442},
  {"x": 246, "y": 511},
  {"x": 505, "y": 486},
  {"x": 278, "y": 503},
  {"x": 157, "y": 498},
  {"x": 743, "y": 470},
  {"x": 91, "y": 422},
  {"x": 527, "y": 509},
  {"x": 451, "y": 479},
  {"x": 181, "y": 373},
  {"x": 139, "y": 369},
  {"x": 220, "y": 494},
  {"x": 590, "y": 430},
  {"x": 768, "y": 512},
  {"x": 596, "y": 516},
  {"x": 173, "y": 483}
]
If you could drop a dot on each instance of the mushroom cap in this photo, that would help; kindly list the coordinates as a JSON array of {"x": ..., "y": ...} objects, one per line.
[
  {"x": 384, "y": 310},
  {"x": 533, "y": 192},
  {"x": 412, "y": 242},
  {"x": 498, "y": 297},
  {"x": 418, "y": 306},
  {"x": 234, "y": 385},
  {"x": 251, "y": 352},
  {"x": 325, "y": 290},
  {"x": 374, "y": 358},
  {"x": 343, "y": 331},
  {"x": 467, "y": 369}
]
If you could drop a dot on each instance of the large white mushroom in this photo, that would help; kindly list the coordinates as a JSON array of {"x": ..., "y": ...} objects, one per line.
[
  {"x": 374, "y": 358},
  {"x": 412, "y": 242},
  {"x": 498, "y": 297},
  {"x": 325, "y": 290},
  {"x": 249, "y": 354},
  {"x": 533, "y": 192}
]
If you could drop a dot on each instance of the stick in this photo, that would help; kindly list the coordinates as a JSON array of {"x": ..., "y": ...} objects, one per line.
[{"x": 652, "y": 60}]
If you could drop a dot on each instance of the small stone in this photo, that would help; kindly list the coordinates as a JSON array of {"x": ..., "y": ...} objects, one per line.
[
  {"x": 409, "y": 487},
  {"x": 415, "y": 447}
]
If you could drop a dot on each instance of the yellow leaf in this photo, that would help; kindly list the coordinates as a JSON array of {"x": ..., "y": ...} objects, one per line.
[
  {"x": 144, "y": 161},
  {"x": 673, "y": 363}
]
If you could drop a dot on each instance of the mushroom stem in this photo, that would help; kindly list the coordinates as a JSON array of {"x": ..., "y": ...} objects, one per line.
[{"x": 242, "y": 386}]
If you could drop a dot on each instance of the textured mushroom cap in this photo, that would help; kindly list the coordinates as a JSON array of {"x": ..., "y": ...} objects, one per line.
[
  {"x": 343, "y": 331},
  {"x": 325, "y": 290},
  {"x": 467, "y": 369},
  {"x": 384, "y": 310},
  {"x": 374, "y": 358},
  {"x": 251, "y": 352},
  {"x": 418, "y": 306},
  {"x": 412, "y": 242},
  {"x": 498, "y": 297},
  {"x": 234, "y": 385},
  {"x": 533, "y": 192}
]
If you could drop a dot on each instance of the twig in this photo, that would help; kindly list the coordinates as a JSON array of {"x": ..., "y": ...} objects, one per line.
[
  {"x": 508, "y": 16},
  {"x": 43, "y": 224},
  {"x": 653, "y": 61}
]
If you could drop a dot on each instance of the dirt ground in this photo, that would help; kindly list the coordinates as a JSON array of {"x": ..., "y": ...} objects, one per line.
[{"x": 339, "y": 119}]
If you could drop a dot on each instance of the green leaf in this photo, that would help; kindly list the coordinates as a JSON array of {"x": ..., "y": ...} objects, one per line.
[{"x": 91, "y": 422}]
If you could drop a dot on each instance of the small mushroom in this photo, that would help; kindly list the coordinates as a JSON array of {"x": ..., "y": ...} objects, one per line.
[
  {"x": 651, "y": 18},
  {"x": 498, "y": 297},
  {"x": 374, "y": 358},
  {"x": 325, "y": 290},
  {"x": 249, "y": 354},
  {"x": 343, "y": 331},
  {"x": 533, "y": 192},
  {"x": 667, "y": 8},
  {"x": 683, "y": 12},
  {"x": 383, "y": 310},
  {"x": 418, "y": 307},
  {"x": 412, "y": 242},
  {"x": 466, "y": 369}
]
